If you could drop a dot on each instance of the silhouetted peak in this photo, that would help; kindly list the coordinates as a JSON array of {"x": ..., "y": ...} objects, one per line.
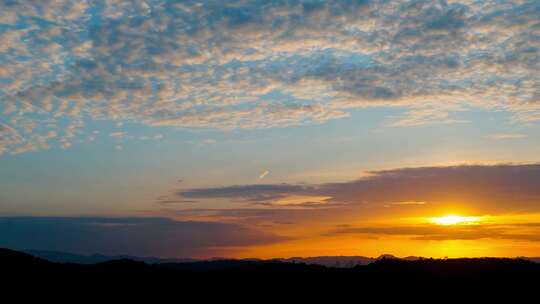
[
  {"x": 387, "y": 256},
  {"x": 7, "y": 255}
]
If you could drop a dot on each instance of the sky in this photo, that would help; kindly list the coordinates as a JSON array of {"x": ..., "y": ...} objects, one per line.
[{"x": 281, "y": 128}]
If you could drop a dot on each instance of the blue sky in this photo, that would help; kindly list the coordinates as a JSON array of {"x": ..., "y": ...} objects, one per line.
[{"x": 112, "y": 107}]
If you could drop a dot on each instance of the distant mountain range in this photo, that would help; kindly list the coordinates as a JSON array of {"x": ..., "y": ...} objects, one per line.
[
  {"x": 65, "y": 257},
  {"x": 327, "y": 261},
  {"x": 344, "y": 261},
  {"x": 383, "y": 276}
]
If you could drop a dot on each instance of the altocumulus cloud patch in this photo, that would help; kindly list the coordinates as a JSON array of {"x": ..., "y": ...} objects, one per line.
[{"x": 258, "y": 64}]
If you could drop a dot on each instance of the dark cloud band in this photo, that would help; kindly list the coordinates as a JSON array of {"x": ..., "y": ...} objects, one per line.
[
  {"x": 134, "y": 236},
  {"x": 488, "y": 188}
]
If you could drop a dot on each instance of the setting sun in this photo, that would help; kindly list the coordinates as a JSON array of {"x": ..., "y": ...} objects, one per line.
[
  {"x": 454, "y": 220},
  {"x": 251, "y": 129}
]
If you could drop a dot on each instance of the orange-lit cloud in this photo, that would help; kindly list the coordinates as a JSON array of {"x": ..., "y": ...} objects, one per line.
[
  {"x": 480, "y": 188},
  {"x": 409, "y": 206}
]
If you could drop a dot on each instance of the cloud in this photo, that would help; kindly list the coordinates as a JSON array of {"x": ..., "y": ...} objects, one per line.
[
  {"x": 485, "y": 188},
  {"x": 256, "y": 215},
  {"x": 493, "y": 188},
  {"x": 439, "y": 233},
  {"x": 260, "y": 64},
  {"x": 409, "y": 203},
  {"x": 118, "y": 134},
  {"x": 155, "y": 137},
  {"x": 264, "y": 174},
  {"x": 134, "y": 236},
  {"x": 504, "y": 136},
  {"x": 253, "y": 193}
]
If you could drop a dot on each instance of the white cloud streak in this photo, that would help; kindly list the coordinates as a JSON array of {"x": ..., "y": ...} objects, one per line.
[{"x": 264, "y": 174}]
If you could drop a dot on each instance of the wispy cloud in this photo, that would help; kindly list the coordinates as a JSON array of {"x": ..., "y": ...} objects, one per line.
[
  {"x": 254, "y": 193},
  {"x": 118, "y": 134},
  {"x": 264, "y": 174},
  {"x": 492, "y": 188},
  {"x": 504, "y": 136},
  {"x": 439, "y": 233},
  {"x": 408, "y": 203}
]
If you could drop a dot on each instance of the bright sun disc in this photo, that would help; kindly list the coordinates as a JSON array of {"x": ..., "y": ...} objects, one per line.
[{"x": 454, "y": 220}]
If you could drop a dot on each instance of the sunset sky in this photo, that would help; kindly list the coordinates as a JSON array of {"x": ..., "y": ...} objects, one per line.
[{"x": 249, "y": 128}]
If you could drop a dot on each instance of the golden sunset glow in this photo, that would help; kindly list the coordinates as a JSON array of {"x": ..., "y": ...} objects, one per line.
[
  {"x": 249, "y": 129},
  {"x": 449, "y": 220}
]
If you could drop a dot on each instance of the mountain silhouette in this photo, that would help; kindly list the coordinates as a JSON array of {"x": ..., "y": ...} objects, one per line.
[
  {"x": 387, "y": 273},
  {"x": 66, "y": 257}
]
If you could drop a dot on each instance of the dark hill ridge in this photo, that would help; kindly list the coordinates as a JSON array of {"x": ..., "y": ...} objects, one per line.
[
  {"x": 273, "y": 281},
  {"x": 328, "y": 261},
  {"x": 11, "y": 258},
  {"x": 474, "y": 273},
  {"x": 65, "y": 257}
]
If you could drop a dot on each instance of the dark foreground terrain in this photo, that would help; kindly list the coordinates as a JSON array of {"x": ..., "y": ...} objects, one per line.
[{"x": 483, "y": 275}]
